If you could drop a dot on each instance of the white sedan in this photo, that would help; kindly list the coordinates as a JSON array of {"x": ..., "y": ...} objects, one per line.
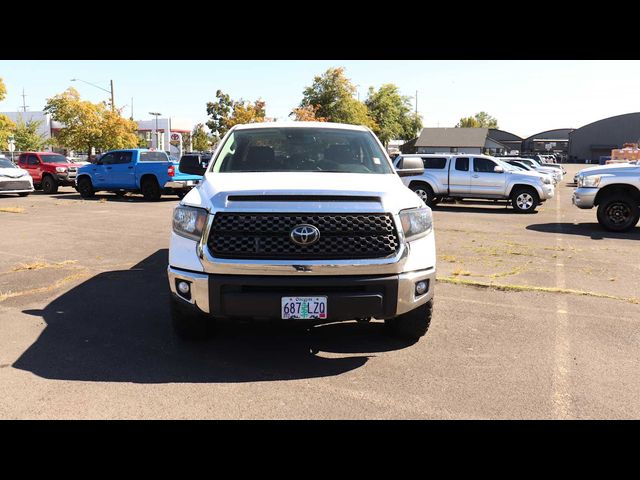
[{"x": 14, "y": 179}]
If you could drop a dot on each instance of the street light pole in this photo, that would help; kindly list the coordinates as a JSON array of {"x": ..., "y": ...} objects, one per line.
[
  {"x": 113, "y": 104},
  {"x": 156, "y": 114}
]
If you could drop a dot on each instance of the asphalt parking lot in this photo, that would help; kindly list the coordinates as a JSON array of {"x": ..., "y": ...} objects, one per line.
[{"x": 536, "y": 317}]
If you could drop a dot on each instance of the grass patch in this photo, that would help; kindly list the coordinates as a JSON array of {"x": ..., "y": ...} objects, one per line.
[
  {"x": 459, "y": 271},
  {"x": 102, "y": 200},
  {"x": 11, "y": 209},
  {"x": 533, "y": 288},
  {"x": 53, "y": 286},
  {"x": 449, "y": 258},
  {"x": 39, "y": 265},
  {"x": 515, "y": 271}
]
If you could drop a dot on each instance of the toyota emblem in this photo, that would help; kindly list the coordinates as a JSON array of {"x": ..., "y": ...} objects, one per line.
[{"x": 305, "y": 234}]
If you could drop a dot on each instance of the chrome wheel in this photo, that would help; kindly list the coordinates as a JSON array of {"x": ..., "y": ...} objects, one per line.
[
  {"x": 524, "y": 201},
  {"x": 422, "y": 194}
]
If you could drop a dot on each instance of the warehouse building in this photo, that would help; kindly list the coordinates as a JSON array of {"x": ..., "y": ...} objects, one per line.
[
  {"x": 511, "y": 141},
  {"x": 598, "y": 138},
  {"x": 549, "y": 141},
  {"x": 455, "y": 140}
]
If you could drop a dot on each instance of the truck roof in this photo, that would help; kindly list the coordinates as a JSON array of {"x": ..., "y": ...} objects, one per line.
[{"x": 291, "y": 124}]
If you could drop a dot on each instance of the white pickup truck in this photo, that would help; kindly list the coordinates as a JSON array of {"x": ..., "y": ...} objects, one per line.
[
  {"x": 476, "y": 177},
  {"x": 301, "y": 222},
  {"x": 615, "y": 190}
]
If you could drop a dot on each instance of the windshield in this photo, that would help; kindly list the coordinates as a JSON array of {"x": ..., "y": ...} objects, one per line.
[
  {"x": 5, "y": 163},
  {"x": 54, "y": 158},
  {"x": 507, "y": 166},
  {"x": 301, "y": 149}
]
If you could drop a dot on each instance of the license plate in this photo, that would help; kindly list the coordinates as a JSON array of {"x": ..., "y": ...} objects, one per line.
[{"x": 304, "y": 307}]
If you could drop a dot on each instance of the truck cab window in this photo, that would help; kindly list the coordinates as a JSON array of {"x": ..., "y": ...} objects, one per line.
[
  {"x": 483, "y": 165},
  {"x": 462, "y": 164}
]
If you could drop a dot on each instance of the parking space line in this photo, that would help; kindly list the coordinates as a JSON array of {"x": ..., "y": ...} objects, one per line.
[{"x": 562, "y": 400}]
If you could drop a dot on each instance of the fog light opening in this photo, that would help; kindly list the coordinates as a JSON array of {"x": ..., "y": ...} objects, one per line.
[
  {"x": 422, "y": 287},
  {"x": 184, "y": 289}
]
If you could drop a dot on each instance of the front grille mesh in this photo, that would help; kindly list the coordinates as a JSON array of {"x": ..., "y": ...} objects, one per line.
[
  {"x": 267, "y": 236},
  {"x": 15, "y": 185}
]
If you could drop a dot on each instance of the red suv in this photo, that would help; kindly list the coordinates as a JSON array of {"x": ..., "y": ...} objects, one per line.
[{"x": 48, "y": 170}]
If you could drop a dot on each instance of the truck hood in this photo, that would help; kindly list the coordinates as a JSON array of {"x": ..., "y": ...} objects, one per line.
[
  {"x": 613, "y": 168},
  {"x": 12, "y": 173},
  {"x": 385, "y": 192},
  {"x": 527, "y": 174}
]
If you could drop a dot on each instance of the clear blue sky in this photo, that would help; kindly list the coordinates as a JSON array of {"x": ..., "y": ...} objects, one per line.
[{"x": 525, "y": 96}]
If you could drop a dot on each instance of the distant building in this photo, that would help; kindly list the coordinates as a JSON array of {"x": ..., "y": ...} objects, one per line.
[
  {"x": 393, "y": 147},
  {"x": 455, "y": 140},
  {"x": 597, "y": 139},
  {"x": 47, "y": 127},
  {"x": 167, "y": 128},
  {"x": 511, "y": 141},
  {"x": 549, "y": 141}
]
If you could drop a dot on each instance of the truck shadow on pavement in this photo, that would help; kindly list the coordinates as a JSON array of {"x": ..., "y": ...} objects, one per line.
[
  {"x": 110, "y": 197},
  {"x": 591, "y": 230},
  {"x": 115, "y": 327}
]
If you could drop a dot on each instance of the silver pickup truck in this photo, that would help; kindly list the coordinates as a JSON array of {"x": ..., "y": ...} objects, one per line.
[
  {"x": 615, "y": 190},
  {"x": 477, "y": 177}
]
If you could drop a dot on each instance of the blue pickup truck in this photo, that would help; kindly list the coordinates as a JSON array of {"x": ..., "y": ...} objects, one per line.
[{"x": 149, "y": 172}]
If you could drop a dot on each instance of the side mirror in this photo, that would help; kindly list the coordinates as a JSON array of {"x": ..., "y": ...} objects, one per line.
[
  {"x": 410, "y": 166},
  {"x": 191, "y": 164},
  {"x": 498, "y": 169}
]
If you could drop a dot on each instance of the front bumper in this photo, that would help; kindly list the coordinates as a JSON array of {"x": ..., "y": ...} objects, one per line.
[
  {"x": 181, "y": 184},
  {"x": 66, "y": 180},
  {"x": 259, "y": 296},
  {"x": 584, "y": 197},
  {"x": 548, "y": 191}
]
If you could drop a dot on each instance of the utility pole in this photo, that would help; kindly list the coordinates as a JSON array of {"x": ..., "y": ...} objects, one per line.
[
  {"x": 417, "y": 133},
  {"x": 24, "y": 102},
  {"x": 157, "y": 135},
  {"x": 113, "y": 102},
  {"x": 131, "y": 108}
]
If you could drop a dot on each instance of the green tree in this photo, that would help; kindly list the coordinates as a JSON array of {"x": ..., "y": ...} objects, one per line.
[
  {"x": 27, "y": 136},
  {"x": 247, "y": 112},
  {"x": 186, "y": 141},
  {"x": 332, "y": 96},
  {"x": 308, "y": 113},
  {"x": 220, "y": 111},
  {"x": 200, "y": 139},
  {"x": 226, "y": 112},
  {"x": 7, "y": 127},
  {"x": 479, "y": 120},
  {"x": 90, "y": 125},
  {"x": 392, "y": 114}
]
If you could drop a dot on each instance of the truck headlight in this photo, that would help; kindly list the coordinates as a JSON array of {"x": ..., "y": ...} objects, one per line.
[
  {"x": 546, "y": 180},
  {"x": 61, "y": 169},
  {"x": 189, "y": 222},
  {"x": 416, "y": 223},
  {"x": 589, "y": 181}
]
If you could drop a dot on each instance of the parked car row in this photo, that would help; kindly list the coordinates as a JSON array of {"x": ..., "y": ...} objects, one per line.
[
  {"x": 14, "y": 179},
  {"x": 152, "y": 173},
  {"x": 467, "y": 176}
]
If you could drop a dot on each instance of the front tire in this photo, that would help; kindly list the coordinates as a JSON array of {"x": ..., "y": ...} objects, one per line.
[
  {"x": 49, "y": 185},
  {"x": 151, "y": 190},
  {"x": 525, "y": 199},
  {"x": 411, "y": 325},
  {"x": 618, "y": 213},
  {"x": 188, "y": 325},
  {"x": 85, "y": 188},
  {"x": 424, "y": 191}
]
